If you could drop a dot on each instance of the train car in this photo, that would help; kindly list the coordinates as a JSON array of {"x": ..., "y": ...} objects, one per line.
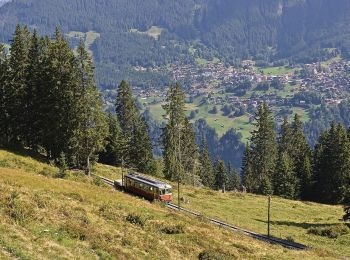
[{"x": 147, "y": 187}]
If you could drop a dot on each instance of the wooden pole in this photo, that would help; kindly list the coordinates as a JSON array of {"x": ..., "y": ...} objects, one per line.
[{"x": 268, "y": 216}]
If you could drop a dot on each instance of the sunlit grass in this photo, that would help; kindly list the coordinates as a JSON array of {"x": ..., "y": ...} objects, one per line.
[{"x": 70, "y": 219}]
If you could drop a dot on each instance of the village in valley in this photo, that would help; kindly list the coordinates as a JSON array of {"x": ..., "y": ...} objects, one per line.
[{"x": 227, "y": 96}]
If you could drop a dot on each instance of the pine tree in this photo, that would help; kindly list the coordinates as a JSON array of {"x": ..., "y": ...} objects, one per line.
[
  {"x": 332, "y": 165},
  {"x": 60, "y": 89},
  {"x": 90, "y": 129},
  {"x": 248, "y": 180},
  {"x": 32, "y": 95},
  {"x": 206, "y": 171},
  {"x": 141, "y": 154},
  {"x": 138, "y": 149},
  {"x": 190, "y": 152},
  {"x": 62, "y": 166},
  {"x": 15, "y": 87},
  {"x": 220, "y": 175},
  {"x": 126, "y": 109},
  {"x": 114, "y": 150},
  {"x": 173, "y": 134},
  {"x": 3, "y": 109},
  {"x": 285, "y": 138},
  {"x": 284, "y": 181},
  {"x": 264, "y": 150},
  {"x": 300, "y": 155},
  {"x": 233, "y": 179}
]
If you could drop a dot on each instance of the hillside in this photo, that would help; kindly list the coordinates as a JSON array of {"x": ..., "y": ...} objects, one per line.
[
  {"x": 43, "y": 217},
  {"x": 156, "y": 33}
]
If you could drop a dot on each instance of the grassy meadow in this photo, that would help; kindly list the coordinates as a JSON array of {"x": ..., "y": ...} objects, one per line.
[{"x": 47, "y": 218}]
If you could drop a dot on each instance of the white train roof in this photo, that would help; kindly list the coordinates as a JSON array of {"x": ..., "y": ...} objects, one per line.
[{"x": 148, "y": 181}]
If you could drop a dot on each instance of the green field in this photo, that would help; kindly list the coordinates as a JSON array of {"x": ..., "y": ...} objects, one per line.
[
  {"x": 220, "y": 123},
  {"x": 204, "y": 62},
  {"x": 276, "y": 71},
  {"x": 47, "y": 218},
  {"x": 153, "y": 31},
  {"x": 88, "y": 38}
]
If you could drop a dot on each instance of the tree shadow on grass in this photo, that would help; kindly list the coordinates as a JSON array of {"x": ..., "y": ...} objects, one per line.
[
  {"x": 303, "y": 225},
  {"x": 28, "y": 153}
]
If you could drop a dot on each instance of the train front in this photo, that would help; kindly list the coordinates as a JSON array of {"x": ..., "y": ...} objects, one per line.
[{"x": 166, "y": 193}]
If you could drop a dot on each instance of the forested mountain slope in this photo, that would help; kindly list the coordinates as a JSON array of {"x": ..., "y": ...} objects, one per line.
[{"x": 227, "y": 29}]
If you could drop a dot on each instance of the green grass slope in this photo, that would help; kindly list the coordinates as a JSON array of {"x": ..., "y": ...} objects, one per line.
[{"x": 47, "y": 218}]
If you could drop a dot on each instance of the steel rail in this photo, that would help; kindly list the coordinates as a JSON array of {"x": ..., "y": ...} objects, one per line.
[{"x": 271, "y": 240}]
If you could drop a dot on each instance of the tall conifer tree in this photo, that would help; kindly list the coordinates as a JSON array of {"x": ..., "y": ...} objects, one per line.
[
  {"x": 16, "y": 87},
  {"x": 332, "y": 166},
  {"x": 220, "y": 175},
  {"x": 264, "y": 150},
  {"x": 90, "y": 128},
  {"x": 284, "y": 181},
  {"x": 301, "y": 154},
  {"x": 3, "y": 109},
  {"x": 138, "y": 152},
  {"x": 206, "y": 171},
  {"x": 173, "y": 134},
  {"x": 115, "y": 143},
  {"x": 60, "y": 89},
  {"x": 32, "y": 96},
  {"x": 233, "y": 179},
  {"x": 248, "y": 180}
]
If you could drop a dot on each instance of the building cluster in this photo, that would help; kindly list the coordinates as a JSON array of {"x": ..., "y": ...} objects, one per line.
[{"x": 332, "y": 81}]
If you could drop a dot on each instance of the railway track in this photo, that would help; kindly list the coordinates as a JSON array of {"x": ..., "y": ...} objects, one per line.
[
  {"x": 271, "y": 240},
  {"x": 105, "y": 180}
]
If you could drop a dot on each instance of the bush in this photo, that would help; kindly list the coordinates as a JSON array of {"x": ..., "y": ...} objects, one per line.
[
  {"x": 136, "y": 220},
  {"x": 171, "y": 230},
  {"x": 46, "y": 171},
  {"x": 290, "y": 239},
  {"x": 329, "y": 231},
  {"x": 97, "y": 181}
]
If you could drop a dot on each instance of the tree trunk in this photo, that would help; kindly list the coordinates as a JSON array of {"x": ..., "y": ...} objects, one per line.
[{"x": 87, "y": 170}]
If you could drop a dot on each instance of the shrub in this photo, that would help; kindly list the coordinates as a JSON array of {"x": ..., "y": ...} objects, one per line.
[
  {"x": 136, "y": 220},
  {"x": 290, "y": 239},
  {"x": 97, "y": 181},
  {"x": 46, "y": 171},
  {"x": 329, "y": 231},
  {"x": 63, "y": 167},
  {"x": 171, "y": 230}
]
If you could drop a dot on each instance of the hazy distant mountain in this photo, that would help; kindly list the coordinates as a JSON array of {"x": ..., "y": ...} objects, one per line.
[
  {"x": 298, "y": 30},
  {"x": 2, "y": 2}
]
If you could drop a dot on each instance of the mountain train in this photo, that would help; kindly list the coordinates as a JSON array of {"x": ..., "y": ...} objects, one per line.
[{"x": 146, "y": 187}]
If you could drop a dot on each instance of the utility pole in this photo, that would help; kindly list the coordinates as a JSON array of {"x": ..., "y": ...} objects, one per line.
[
  {"x": 268, "y": 216},
  {"x": 180, "y": 166},
  {"x": 123, "y": 171}
]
